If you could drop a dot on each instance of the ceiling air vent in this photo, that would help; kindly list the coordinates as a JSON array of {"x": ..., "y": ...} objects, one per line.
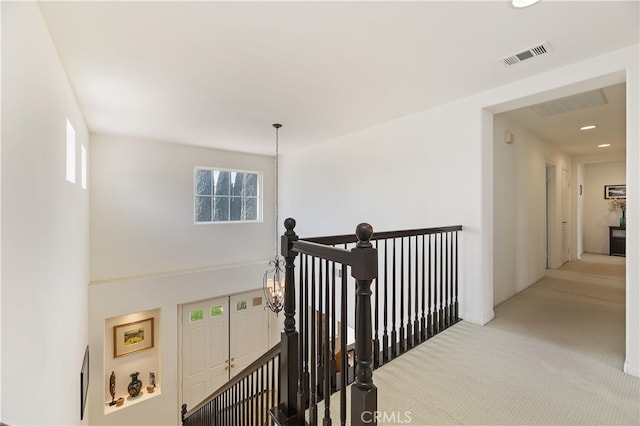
[
  {"x": 540, "y": 49},
  {"x": 571, "y": 103}
]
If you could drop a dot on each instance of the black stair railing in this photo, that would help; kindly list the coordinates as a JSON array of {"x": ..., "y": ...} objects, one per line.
[
  {"x": 323, "y": 302},
  {"x": 245, "y": 399},
  {"x": 347, "y": 328},
  {"x": 416, "y": 293}
]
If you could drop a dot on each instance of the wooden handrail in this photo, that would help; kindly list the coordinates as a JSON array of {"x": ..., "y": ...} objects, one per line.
[
  {"x": 323, "y": 251},
  {"x": 351, "y": 238}
]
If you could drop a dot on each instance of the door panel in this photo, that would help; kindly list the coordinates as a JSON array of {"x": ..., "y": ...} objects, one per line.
[
  {"x": 205, "y": 331},
  {"x": 220, "y": 337},
  {"x": 249, "y": 329},
  {"x": 566, "y": 212}
]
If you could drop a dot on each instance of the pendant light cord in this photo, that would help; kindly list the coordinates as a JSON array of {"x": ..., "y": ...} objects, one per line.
[{"x": 277, "y": 126}]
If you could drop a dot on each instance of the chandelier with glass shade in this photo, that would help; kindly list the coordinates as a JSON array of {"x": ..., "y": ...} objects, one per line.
[{"x": 274, "y": 276}]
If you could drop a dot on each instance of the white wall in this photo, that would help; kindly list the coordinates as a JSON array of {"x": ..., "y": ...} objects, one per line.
[
  {"x": 165, "y": 293},
  {"x": 147, "y": 254},
  {"x": 597, "y": 216},
  {"x": 519, "y": 179},
  {"x": 632, "y": 360},
  {"x": 579, "y": 211},
  {"x": 45, "y": 230},
  {"x": 142, "y": 214},
  {"x": 436, "y": 168},
  {"x": 419, "y": 171}
]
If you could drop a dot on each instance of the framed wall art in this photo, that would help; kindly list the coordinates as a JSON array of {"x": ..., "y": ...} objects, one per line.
[
  {"x": 132, "y": 337},
  {"x": 615, "y": 191},
  {"x": 84, "y": 382}
]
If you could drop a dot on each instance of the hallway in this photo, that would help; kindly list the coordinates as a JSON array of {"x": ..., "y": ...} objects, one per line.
[
  {"x": 598, "y": 264},
  {"x": 553, "y": 355}
]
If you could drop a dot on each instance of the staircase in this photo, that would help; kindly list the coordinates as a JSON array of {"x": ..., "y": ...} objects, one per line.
[{"x": 404, "y": 290}]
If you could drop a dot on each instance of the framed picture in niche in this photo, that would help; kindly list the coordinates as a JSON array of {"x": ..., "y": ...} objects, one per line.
[
  {"x": 615, "y": 191},
  {"x": 132, "y": 337}
]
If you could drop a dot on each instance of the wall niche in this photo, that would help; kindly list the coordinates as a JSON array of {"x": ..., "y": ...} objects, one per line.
[{"x": 132, "y": 359}]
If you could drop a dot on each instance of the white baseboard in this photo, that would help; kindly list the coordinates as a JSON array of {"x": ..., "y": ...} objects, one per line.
[{"x": 632, "y": 371}]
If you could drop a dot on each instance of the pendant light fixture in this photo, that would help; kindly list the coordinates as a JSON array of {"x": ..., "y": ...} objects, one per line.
[{"x": 273, "y": 281}]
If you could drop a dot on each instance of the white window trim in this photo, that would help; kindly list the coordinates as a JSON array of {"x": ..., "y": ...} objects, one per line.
[{"x": 260, "y": 196}]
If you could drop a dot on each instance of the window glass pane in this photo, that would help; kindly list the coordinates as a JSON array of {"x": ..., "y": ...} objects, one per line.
[
  {"x": 236, "y": 209},
  {"x": 238, "y": 184},
  {"x": 195, "y": 316},
  {"x": 221, "y": 209},
  {"x": 203, "y": 182},
  {"x": 251, "y": 185},
  {"x": 203, "y": 209},
  {"x": 251, "y": 209},
  {"x": 241, "y": 305},
  {"x": 216, "y": 311},
  {"x": 223, "y": 183}
]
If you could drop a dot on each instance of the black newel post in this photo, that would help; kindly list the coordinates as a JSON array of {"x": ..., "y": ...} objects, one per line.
[
  {"x": 287, "y": 412},
  {"x": 364, "y": 394}
]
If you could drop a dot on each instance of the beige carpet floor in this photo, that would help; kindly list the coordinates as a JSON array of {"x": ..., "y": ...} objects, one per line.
[
  {"x": 597, "y": 265},
  {"x": 553, "y": 355}
]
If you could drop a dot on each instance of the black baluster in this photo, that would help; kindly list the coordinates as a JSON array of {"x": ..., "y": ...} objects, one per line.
[
  {"x": 456, "y": 312},
  {"x": 327, "y": 360},
  {"x": 394, "y": 336},
  {"x": 431, "y": 294},
  {"x": 376, "y": 314},
  {"x": 423, "y": 321},
  {"x": 303, "y": 382},
  {"x": 402, "y": 337},
  {"x": 416, "y": 321},
  {"x": 333, "y": 326},
  {"x": 445, "y": 249},
  {"x": 321, "y": 361},
  {"x": 409, "y": 341},
  {"x": 385, "y": 336},
  {"x": 344, "y": 355},
  {"x": 313, "y": 414}
]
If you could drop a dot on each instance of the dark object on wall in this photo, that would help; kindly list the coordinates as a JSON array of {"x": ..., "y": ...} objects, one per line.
[
  {"x": 84, "y": 382},
  {"x": 135, "y": 385},
  {"x": 617, "y": 241},
  {"x": 112, "y": 388},
  {"x": 615, "y": 191}
]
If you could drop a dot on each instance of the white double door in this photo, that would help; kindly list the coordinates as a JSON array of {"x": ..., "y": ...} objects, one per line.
[{"x": 220, "y": 337}]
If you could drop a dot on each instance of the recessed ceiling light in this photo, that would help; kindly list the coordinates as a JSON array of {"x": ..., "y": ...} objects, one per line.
[
  {"x": 589, "y": 127},
  {"x": 523, "y": 3},
  {"x": 604, "y": 145}
]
